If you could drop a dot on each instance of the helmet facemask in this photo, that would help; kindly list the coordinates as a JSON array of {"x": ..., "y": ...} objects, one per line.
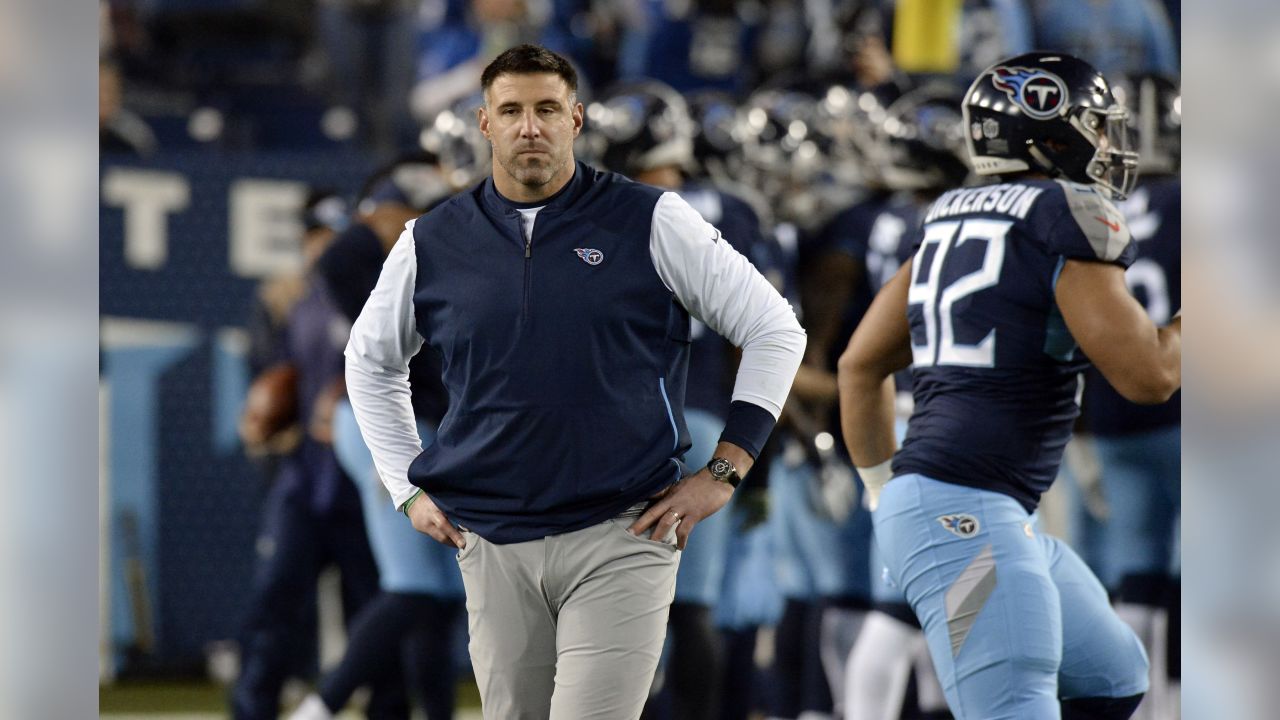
[{"x": 1114, "y": 164}]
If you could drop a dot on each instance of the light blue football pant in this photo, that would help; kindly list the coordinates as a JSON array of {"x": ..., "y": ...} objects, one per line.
[
  {"x": 1142, "y": 482},
  {"x": 749, "y": 595},
  {"x": 883, "y": 589},
  {"x": 1013, "y": 618},
  {"x": 814, "y": 557},
  {"x": 703, "y": 560},
  {"x": 408, "y": 561}
]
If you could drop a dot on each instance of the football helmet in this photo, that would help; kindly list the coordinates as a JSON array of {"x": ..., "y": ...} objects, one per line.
[
  {"x": 1155, "y": 104},
  {"x": 781, "y": 137},
  {"x": 718, "y": 132},
  {"x": 919, "y": 143},
  {"x": 1051, "y": 113},
  {"x": 788, "y": 150},
  {"x": 640, "y": 126},
  {"x": 454, "y": 137}
]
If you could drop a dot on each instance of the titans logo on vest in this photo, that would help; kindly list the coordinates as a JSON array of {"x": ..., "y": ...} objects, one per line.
[{"x": 590, "y": 256}]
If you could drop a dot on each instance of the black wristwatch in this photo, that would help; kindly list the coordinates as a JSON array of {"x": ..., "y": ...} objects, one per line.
[{"x": 724, "y": 471}]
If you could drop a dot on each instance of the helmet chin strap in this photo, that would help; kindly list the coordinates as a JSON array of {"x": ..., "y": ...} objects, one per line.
[{"x": 1038, "y": 155}]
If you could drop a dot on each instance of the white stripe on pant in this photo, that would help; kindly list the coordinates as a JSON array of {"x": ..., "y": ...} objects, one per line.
[{"x": 569, "y": 627}]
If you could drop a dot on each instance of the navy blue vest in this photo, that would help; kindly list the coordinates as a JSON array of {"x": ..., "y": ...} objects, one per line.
[{"x": 564, "y": 359}]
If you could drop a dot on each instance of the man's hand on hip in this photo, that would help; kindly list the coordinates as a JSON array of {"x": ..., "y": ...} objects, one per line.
[
  {"x": 428, "y": 519},
  {"x": 687, "y": 502}
]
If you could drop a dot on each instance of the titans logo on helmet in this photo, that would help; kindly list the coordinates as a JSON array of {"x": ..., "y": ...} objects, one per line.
[
  {"x": 590, "y": 256},
  {"x": 1040, "y": 94},
  {"x": 964, "y": 525}
]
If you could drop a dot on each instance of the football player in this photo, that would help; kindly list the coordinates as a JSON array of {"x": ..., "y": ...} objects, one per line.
[
  {"x": 644, "y": 130},
  {"x": 411, "y": 621},
  {"x": 1008, "y": 281},
  {"x": 919, "y": 151},
  {"x": 312, "y": 517},
  {"x": 811, "y": 490}
]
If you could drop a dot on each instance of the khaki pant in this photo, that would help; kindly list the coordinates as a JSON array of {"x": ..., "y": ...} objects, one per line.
[{"x": 568, "y": 627}]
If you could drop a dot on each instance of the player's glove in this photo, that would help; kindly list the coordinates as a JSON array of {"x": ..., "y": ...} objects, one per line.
[{"x": 874, "y": 479}]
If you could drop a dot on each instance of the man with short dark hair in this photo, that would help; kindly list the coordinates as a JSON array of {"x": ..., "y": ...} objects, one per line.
[{"x": 558, "y": 299}]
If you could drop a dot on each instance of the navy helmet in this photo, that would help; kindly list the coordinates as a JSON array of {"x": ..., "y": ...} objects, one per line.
[
  {"x": 640, "y": 126},
  {"x": 717, "y": 132},
  {"x": 454, "y": 139},
  {"x": 414, "y": 180},
  {"x": 1155, "y": 103},
  {"x": 325, "y": 209},
  {"x": 1051, "y": 113},
  {"x": 920, "y": 141}
]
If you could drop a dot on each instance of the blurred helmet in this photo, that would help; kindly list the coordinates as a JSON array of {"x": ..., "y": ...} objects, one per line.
[
  {"x": 919, "y": 143},
  {"x": 788, "y": 157},
  {"x": 1052, "y": 113},
  {"x": 717, "y": 132},
  {"x": 1155, "y": 114},
  {"x": 781, "y": 138},
  {"x": 842, "y": 124},
  {"x": 414, "y": 181},
  {"x": 453, "y": 136},
  {"x": 640, "y": 126},
  {"x": 325, "y": 209}
]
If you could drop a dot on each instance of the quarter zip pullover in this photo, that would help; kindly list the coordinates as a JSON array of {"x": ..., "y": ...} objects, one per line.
[{"x": 566, "y": 408}]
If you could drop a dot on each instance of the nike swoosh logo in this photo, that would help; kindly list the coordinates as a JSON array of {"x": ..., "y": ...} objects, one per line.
[{"x": 1115, "y": 226}]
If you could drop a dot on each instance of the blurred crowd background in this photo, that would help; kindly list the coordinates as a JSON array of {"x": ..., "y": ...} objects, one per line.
[
  {"x": 247, "y": 75},
  {"x": 238, "y": 137}
]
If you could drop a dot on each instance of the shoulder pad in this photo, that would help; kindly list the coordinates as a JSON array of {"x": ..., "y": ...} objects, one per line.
[{"x": 1101, "y": 222}]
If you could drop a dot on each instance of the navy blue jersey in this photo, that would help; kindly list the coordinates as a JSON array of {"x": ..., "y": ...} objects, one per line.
[
  {"x": 315, "y": 336},
  {"x": 350, "y": 267},
  {"x": 889, "y": 246},
  {"x": 996, "y": 372},
  {"x": 879, "y": 233},
  {"x": 1154, "y": 213},
  {"x": 712, "y": 367},
  {"x": 849, "y": 232},
  {"x": 890, "y": 242}
]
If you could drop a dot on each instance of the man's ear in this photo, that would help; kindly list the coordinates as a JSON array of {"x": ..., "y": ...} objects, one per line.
[
  {"x": 482, "y": 118},
  {"x": 577, "y": 118}
]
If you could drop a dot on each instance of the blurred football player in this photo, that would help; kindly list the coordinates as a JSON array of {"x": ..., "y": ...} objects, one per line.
[
  {"x": 1139, "y": 448},
  {"x": 793, "y": 151},
  {"x": 1007, "y": 282},
  {"x": 312, "y": 517},
  {"x": 324, "y": 215},
  {"x": 918, "y": 151},
  {"x": 785, "y": 153},
  {"x": 269, "y": 429},
  {"x": 644, "y": 130},
  {"x": 413, "y": 619},
  {"x": 719, "y": 158}
]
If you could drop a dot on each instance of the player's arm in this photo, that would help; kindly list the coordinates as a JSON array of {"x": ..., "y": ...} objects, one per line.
[
  {"x": 832, "y": 280},
  {"x": 1143, "y": 363},
  {"x": 879, "y": 347},
  {"x": 383, "y": 340}
]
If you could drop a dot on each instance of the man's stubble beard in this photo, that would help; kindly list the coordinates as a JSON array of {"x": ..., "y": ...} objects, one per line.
[{"x": 533, "y": 176}]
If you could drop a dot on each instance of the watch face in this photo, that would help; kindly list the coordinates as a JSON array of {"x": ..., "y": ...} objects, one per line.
[{"x": 720, "y": 467}]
